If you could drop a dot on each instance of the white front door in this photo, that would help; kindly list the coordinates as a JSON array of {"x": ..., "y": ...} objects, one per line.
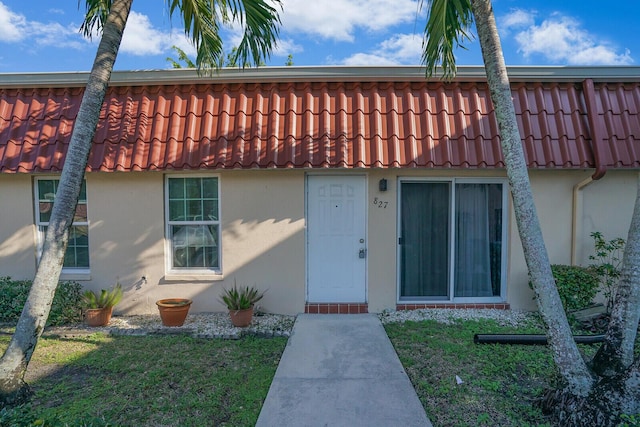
[{"x": 336, "y": 239}]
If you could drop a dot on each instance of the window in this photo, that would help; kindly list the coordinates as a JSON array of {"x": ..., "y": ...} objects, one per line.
[
  {"x": 76, "y": 257},
  {"x": 451, "y": 236},
  {"x": 193, "y": 224}
]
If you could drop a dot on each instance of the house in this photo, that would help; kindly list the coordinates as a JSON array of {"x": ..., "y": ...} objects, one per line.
[{"x": 345, "y": 189}]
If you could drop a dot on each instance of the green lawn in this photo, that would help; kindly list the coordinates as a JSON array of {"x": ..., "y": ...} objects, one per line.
[
  {"x": 500, "y": 382},
  {"x": 148, "y": 381},
  {"x": 182, "y": 381}
]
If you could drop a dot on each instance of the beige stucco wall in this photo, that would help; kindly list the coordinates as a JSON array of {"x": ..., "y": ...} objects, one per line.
[
  {"x": 552, "y": 191},
  {"x": 262, "y": 215},
  {"x": 605, "y": 205},
  {"x": 263, "y": 233},
  {"x": 17, "y": 232}
]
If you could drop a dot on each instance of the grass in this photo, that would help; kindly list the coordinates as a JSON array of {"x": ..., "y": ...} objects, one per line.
[
  {"x": 178, "y": 380},
  {"x": 148, "y": 381},
  {"x": 500, "y": 382}
]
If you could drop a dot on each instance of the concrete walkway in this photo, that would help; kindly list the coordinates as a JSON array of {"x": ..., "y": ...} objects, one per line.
[{"x": 340, "y": 370}]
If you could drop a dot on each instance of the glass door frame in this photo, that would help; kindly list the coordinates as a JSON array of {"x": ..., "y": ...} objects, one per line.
[{"x": 452, "y": 236}]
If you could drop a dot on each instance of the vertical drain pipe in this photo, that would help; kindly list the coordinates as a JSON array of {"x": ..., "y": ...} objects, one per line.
[{"x": 597, "y": 137}]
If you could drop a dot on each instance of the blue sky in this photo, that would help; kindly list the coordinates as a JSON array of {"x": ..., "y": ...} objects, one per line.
[{"x": 42, "y": 36}]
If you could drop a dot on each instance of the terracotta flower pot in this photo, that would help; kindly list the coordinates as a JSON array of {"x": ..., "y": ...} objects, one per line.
[
  {"x": 241, "y": 318},
  {"x": 98, "y": 316},
  {"x": 173, "y": 311}
]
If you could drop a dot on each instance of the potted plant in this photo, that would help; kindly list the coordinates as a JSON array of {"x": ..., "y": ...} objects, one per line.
[
  {"x": 173, "y": 311},
  {"x": 240, "y": 302},
  {"x": 98, "y": 308}
]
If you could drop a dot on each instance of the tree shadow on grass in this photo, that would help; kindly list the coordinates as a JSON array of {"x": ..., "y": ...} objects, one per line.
[{"x": 152, "y": 380}]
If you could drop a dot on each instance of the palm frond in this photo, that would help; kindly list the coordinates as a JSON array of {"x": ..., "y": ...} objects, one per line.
[
  {"x": 448, "y": 26},
  {"x": 203, "y": 19},
  {"x": 96, "y": 16}
]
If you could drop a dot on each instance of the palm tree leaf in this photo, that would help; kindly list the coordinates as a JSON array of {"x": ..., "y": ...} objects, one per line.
[
  {"x": 203, "y": 19},
  {"x": 96, "y": 16},
  {"x": 448, "y": 24},
  {"x": 261, "y": 29}
]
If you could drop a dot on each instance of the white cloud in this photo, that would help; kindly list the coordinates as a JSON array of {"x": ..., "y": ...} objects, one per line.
[
  {"x": 404, "y": 47},
  {"x": 178, "y": 38},
  {"x": 12, "y": 25},
  {"x": 339, "y": 19},
  {"x": 561, "y": 40},
  {"x": 55, "y": 34},
  {"x": 141, "y": 38},
  {"x": 286, "y": 47},
  {"x": 517, "y": 18},
  {"x": 369, "y": 59},
  {"x": 17, "y": 28},
  {"x": 399, "y": 49}
]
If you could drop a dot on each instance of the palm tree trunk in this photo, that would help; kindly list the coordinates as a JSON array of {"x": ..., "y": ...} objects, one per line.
[
  {"x": 566, "y": 354},
  {"x": 15, "y": 360}
]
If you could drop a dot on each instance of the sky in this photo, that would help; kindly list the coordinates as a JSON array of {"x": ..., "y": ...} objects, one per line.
[{"x": 43, "y": 36}]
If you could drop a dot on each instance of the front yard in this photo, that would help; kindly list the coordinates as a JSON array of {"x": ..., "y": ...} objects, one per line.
[
  {"x": 148, "y": 381},
  {"x": 169, "y": 380}
]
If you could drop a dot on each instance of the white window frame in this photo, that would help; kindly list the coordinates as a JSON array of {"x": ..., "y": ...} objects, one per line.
[
  {"x": 452, "y": 235},
  {"x": 188, "y": 272},
  {"x": 71, "y": 272}
]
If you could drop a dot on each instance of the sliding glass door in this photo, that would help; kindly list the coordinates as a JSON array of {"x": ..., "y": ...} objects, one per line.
[
  {"x": 451, "y": 236},
  {"x": 424, "y": 240}
]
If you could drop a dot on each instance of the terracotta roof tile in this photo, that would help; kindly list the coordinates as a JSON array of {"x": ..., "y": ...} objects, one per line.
[{"x": 318, "y": 125}]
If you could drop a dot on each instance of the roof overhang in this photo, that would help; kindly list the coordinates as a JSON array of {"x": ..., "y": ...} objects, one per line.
[{"x": 320, "y": 73}]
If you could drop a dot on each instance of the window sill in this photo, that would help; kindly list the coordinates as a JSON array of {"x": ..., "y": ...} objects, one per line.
[
  {"x": 75, "y": 276},
  {"x": 193, "y": 277}
]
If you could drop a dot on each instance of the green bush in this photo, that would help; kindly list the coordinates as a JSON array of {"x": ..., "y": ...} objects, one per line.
[
  {"x": 66, "y": 307},
  {"x": 608, "y": 256},
  {"x": 630, "y": 420},
  {"x": 577, "y": 285}
]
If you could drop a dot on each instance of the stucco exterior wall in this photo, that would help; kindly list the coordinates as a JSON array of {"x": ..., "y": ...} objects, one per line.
[
  {"x": 553, "y": 194},
  {"x": 262, "y": 215},
  {"x": 607, "y": 207},
  {"x": 17, "y": 232},
  {"x": 263, "y": 233}
]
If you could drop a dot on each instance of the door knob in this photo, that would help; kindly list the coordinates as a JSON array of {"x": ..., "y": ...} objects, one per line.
[{"x": 362, "y": 253}]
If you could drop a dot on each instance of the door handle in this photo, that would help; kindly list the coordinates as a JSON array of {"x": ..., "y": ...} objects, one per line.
[{"x": 362, "y": 253}]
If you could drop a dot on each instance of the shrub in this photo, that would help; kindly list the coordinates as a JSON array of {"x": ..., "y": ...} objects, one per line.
[
  {"x": 577, "y": 285},
  {"x": 630, "y": 420},
  {"x": 240, "y": 298},
  {"x": 66, "y": 307},
  {"x": 106, "y": 298},
  {"x": 608, "y": 257}
]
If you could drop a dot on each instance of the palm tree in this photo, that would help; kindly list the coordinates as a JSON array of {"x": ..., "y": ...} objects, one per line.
[
  {"x": 202, "y": 20},
  {"x": 182, "y": 57},
  {"x": 595, "y": 395}
]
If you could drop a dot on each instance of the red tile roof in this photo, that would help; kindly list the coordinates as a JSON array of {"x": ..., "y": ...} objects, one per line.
[{"x": 323, "y": 124}]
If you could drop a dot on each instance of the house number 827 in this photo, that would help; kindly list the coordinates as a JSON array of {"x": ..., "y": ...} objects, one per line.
[{"x": 380, "y": 203}]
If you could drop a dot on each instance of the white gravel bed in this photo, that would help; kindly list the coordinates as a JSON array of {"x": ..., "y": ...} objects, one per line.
[
  {"x": 218, "y": 325},
  {"x": 450, "y": 315},
  {"x": 199, "y": 325}
]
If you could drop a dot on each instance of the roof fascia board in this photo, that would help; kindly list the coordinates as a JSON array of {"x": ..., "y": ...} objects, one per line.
[{"x": 320, "y": 74}]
